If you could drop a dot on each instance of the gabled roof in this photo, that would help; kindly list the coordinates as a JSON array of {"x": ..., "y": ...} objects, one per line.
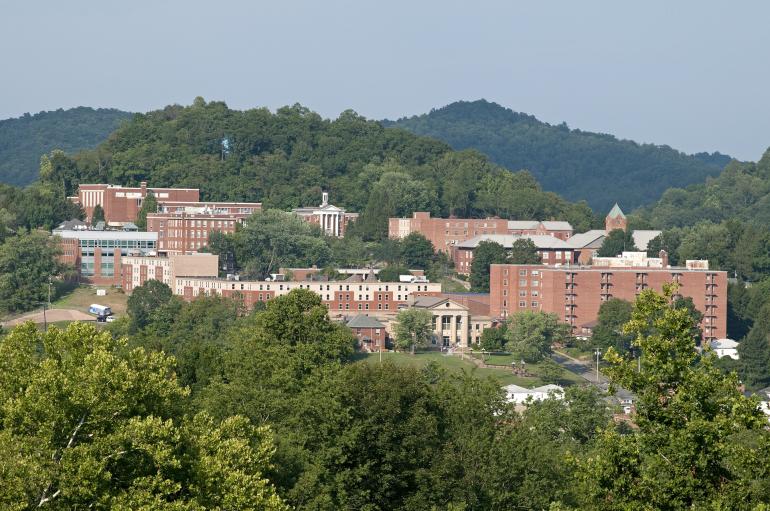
[
  {"x": 586, "y": 239},
  {"x": 363, "y": 321},
  {"x": 557, "y": 225},
  {"x": 507, "y": 240},
  {"x": 642, "y": 238},
  {"x": 522, "y": 224},
  {"x": 616, "y": 212}
]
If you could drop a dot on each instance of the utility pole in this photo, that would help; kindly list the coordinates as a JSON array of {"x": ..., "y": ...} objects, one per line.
[{"x": 597, "y": 352}]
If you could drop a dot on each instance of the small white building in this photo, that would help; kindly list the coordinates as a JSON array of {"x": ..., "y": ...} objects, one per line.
[
  {"x": 725, "y": 348},
  {"x": 520, "y": 395}
]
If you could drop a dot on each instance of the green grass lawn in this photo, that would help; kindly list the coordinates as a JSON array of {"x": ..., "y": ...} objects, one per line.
[
  {"x": 453, "y": 363},
  {"x": 83, "y": 296},
  {"x": 449, "y": 285}
]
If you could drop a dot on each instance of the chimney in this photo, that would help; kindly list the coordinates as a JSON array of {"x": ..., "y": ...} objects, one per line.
[
  {"x": 664, "y": 258},
  {"x": 324, "y": 198}
]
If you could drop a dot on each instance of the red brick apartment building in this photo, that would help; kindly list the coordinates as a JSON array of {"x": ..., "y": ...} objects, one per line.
[
  {"x": 445, "y": 233},
  {"x": 576, "y": 293},
  {"x": 551, "y": 249},
  {"x": 137, "y": 270},
  {"x": 121, "y": 204},
  {"x": 187, "y": 232},
  {"x": 341, "y": 297}
]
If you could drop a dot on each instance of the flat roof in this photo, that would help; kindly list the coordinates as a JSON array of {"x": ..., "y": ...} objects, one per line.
[
  {"x": 106, "y": 235},
  {"x": 507, "y": 240},
  {"x": 610, "y": 269}
]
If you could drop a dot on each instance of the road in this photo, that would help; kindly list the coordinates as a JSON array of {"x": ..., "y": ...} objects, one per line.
[{"x": 581, "y": 368}]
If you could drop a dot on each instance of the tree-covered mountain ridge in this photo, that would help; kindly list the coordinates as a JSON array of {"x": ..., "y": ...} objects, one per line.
[
  {"x": 578, "y": 165},
  {"x": 23, "y": 140},
  {"x": 285, "y": 158}
]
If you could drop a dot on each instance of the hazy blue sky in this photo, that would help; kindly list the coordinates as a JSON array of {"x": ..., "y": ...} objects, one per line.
[{"x": 691, "y": 74}]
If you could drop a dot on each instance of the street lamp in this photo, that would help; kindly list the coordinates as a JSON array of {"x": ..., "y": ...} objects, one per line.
[{"x": 597, "y": 352}]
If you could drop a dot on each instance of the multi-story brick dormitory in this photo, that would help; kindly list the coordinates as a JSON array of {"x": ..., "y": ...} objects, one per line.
[
  {"x": 575, "y": 293},
  {"x": 445, "y": 233},
  {"x": 188, "y": 230},
  {"x": 121, "y": 204},
  {"x": 551, "y": 249}
]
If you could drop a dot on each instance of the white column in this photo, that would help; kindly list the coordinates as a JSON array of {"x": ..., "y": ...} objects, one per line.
[
  {"x": 337, "y": 224},
  {"x": 453, "y": 330}
]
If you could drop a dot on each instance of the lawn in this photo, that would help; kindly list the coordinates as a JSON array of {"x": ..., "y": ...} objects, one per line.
[
  {"x": 83, "y": 296},
  {"x": 454, "y": 364},
  {"x": 449, "y": 285}
]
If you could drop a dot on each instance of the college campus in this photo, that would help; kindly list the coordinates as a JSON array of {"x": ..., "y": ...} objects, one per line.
[{"x": 571, "y": 281}]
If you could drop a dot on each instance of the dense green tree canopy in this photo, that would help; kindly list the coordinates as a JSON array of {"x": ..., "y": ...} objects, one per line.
[
  {"x": 86, "y": 424},
  {"x": 28, "y": 263},
  {"x": 613, "y": 315},
  {"x": 284, "y": 160},
  {"x": 699, "y": 439},
  {"x": 530, "y": 334},
  {"x": 24, "y": 139},
  {"x": 414, "y": 328},
  {"x": 524, "y": 251}
]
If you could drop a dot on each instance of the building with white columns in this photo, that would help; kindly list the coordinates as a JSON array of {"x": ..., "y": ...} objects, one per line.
[{"x": 332, "y": 220}]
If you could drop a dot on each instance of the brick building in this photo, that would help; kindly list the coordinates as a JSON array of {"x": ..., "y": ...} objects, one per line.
[
  {"x": 97, "y": 255},
  {"x": 551, "y": 249},
  {"x": 370, "y": 332},
  {"x": 332, "y": 220},
  {"x": 121, "y": 204},
  {"x": 615, "y": 219},
  {"x": 576, "y": 293},
  {"x": 445, "y": 233},
  {"x": 188, "y": 231}
]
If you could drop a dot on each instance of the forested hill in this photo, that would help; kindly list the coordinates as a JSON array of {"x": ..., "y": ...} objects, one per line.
[
  {"x": 579, "y": 165},
  {"x": 284, "y": 159},
  {"x": 741, "y": 191},
  {"x": 25, "y": 139}
]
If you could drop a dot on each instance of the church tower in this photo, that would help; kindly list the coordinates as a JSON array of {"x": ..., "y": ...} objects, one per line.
[{"x": 615, "y": 219}]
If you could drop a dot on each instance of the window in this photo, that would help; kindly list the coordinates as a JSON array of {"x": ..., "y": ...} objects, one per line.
[
  {"x": 523, "y": 282},
  {"x": 522, "y": 273},
  {"x": 535, "y": 293},
  {"x": 534, "y": 304},
  {"x": 522, "y": 304},
  {"x": 523, "y": 292}
]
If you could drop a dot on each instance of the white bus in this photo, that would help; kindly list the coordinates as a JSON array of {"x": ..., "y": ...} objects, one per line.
[{"x": 99, "y": 310}]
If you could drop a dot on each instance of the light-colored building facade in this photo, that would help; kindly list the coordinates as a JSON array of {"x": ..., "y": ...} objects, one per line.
[
  {"x": 332, "y": 220},
  {"x": 137, "y": 270}
]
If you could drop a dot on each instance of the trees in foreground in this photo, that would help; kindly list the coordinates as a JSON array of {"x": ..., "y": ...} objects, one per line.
[
  {"x": 86, "y": 423},
  {"x": 414, "y": 329},
  {"x": 700, "y": 444}
]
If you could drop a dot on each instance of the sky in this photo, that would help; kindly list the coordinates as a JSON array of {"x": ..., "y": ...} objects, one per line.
[{"x": 694, "y": 75}]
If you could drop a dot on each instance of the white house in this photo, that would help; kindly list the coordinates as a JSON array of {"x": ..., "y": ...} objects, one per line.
[
  {"x": 725, "y": 348},
  {"x": 519, "y": 395}
]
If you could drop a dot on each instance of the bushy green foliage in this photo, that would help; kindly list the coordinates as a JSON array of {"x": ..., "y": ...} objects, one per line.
[
  {"x": 613, "y": 315},
  {"x": 25, "y": 139},
  {"x": 700, "y": 443},
  {"x": 530, "y": 334},
  {"x": 414, "y": 328},
  {"x": 84, "y": 422},
  {"x": 579, "y": 165},
  {"x": 28, "y": 262},
  {"x": 284, "y": 159},
  {"x": 617, "y": 242},
  {"x": 485, "y": 254},
  {"x": 149, "y": 205}
]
